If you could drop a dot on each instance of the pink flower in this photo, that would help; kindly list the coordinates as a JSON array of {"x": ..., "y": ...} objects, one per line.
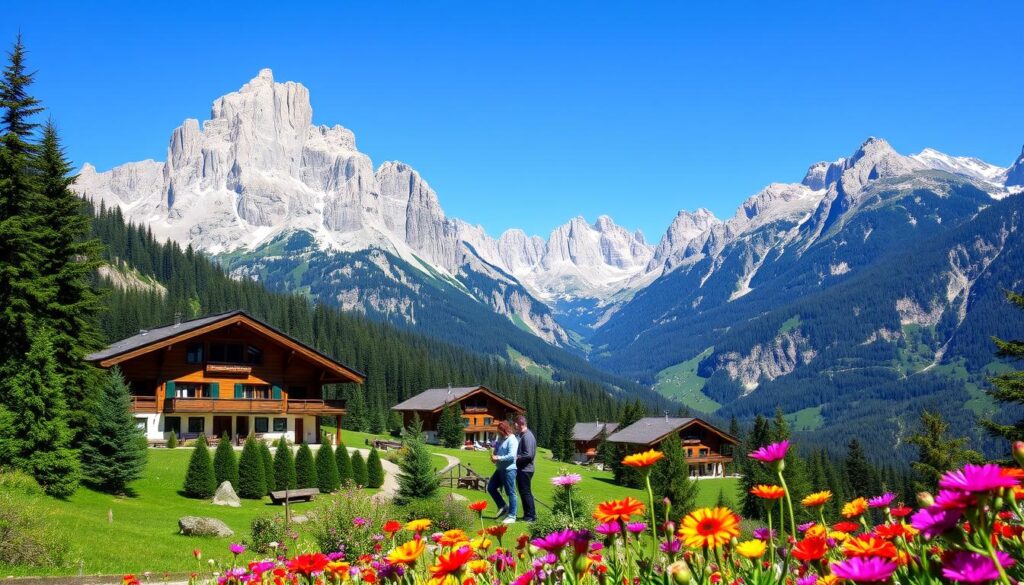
[
  {"x": 953, "y": 500},
  {"x": 608, "y": 528},
  {"x": 555, "y": 541},
  {"x": 567, "y": 480},
  {"x": 359, "y": 521},
  {"x": 882, "y": 501},
  {"x": 934, "y": 521},
  {"x": 525, "y": 578},
  {"x": 970, "y": 567},
  {"x": 977, "y": 478},
  {"x": 771, "y": 453},
  {"x": 636, "y": 527},
  {"x": 805, "y": 526},
  {"x": 864, "y": 569},
  {"x": 237, "y": 549},
  {"x": 808, "y": 579}
]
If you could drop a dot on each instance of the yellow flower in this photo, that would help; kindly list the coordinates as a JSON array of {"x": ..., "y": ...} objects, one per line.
[
  {"x": 855, "y": 508},
  {"x": 752, "y": 549},
  {"x": 709, "y": 527},
  {"x": 406, "y": 554},
  {"x": 453, "y": 538},
  {"x": 827, "y": 580},
  {"x": 418, "y": 525},
  {"x": 815, "y": 531},
  {"x": 480, "y": 543},
  {"x": 645, "y": 459},
  {"x": 816, "y": 499},
  {"x": 838, "y": 536},
  {"x": 478, "y": 567}
]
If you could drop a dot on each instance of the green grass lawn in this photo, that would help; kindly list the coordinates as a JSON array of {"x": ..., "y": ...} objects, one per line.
[{"x": 144, "y": 533}]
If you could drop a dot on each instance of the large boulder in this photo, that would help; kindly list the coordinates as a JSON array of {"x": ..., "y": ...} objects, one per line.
[
  {"x": 200, "y": 526},
  {"x": 226, "y": 496}
]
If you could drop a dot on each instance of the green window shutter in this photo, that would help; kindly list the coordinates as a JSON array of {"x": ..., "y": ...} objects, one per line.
[
  {"x": 239, "y": 393},
  {"x": 215, "y": 390},
  {"x": 169, "y": 386},
  {"x": 277, "y": 392}
]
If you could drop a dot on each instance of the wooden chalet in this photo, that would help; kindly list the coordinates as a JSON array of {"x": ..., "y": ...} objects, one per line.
[
  {"x": 227, "y": 373},
  {"x": 481, "y": 408},
  {"x": 586, "y": 436},
  {"x": 708, "y": 449}
]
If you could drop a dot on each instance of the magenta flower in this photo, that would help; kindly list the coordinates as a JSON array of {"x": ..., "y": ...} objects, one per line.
[
  {"x": 970, "y": 567},
  {"x": 525, "y": 578},
  {"x": 636, "y": 527},
  {"x": 237, "y": 549},
  {"x": 882, "y": 501},
  {"x": 934, "y": 521},
  {"x": 555, "y": 541},
  {"x": 864, "y": 569},
  {"x": 805, "y": 526},
  {"x": 567, "y": 480},
  {"x": 608, "y": 528},
  {"x": 977, "y": 478},
  {"x": 763, "y": 534},
  {"x": 359, "y": 521},
  {"x": 771, "y": 453},
  {"x": 954, "y": 500},
  {"x": 671, "y": 547},
  {"x": 808, "y": 579}
]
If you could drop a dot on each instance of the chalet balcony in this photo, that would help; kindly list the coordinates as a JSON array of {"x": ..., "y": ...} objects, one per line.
[
  {"x": 253, "y": 405},
  {"x": 144, "y": 404},
  {"x": 315, "y": 406},
  {"x": 709, "y": 458},
  {"x": 475, "y": 410}
]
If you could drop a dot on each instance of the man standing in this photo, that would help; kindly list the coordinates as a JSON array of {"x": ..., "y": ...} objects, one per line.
[{"x": 524, "y": 468}]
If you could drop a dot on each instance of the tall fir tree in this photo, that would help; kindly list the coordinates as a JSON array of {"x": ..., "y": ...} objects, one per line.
[
  {"x": 305, "y": 467},
  {"x": 1008, "y": 387},
  {"x": 114, "y": 451},
  {"x": 449, "y": 426},
  {"x": 344, "y": 462},
  {"x": 199, "y": 477},
  {"x": 670, "y": 479},
  {"x": 374, "y": 469},
  {"x": 624, "y": 475},
  {"x": 284, "y": 467},
  {"x": 937, "y": 452},
  {"x": 359, "y": 469},
  {"x": 861, "y": 475},
  {"x": 225, "y": 464},
  {"x": 417, "y": 479},
  {"x": 268, "y": 466},
  {"x": 326, "y": 468},
  {"x": 753, "y": 473},
  {"x": 252, "y": 481}
]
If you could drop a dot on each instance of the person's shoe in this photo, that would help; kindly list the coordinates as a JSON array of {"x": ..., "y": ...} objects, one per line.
[
  {"x": 509, "y": 520},
  {"x": 529, "y": 519}
]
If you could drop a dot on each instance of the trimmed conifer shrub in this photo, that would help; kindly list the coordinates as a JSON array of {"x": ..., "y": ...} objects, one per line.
[
  {"x": 417, "y": 479},
  {"x": 225, "y": 464},
  {"x": 341, "y": 456},
  {"x": 284, "y": 467},
  {"x": 358, "y": 469},
  {"x": 268, "y": 466},
  {"x": 305, "y": 467},
  {"x": 114, "y": 451},
  {"x": 326, "y": 469},
  {"x": 200, "y": 481},
  {"x": 374, "y": 470},
  {"x": 252, "y": 483},
  {"x": 172, "y": 441}
]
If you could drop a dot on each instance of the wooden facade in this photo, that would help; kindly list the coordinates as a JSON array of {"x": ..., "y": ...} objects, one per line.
[
  {"x": 481, "y": 411},
  {"x": 708, "y": 449},
  {"x": 232, "y": 374}
]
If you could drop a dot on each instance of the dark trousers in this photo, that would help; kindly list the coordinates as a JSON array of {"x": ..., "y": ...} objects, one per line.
[{"x": 523, "y": 479}]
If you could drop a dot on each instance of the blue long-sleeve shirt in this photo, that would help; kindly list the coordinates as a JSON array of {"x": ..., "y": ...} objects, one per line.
[{"x": 506, "y": 453}]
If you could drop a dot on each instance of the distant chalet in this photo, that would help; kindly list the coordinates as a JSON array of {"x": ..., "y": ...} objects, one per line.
[
  {"x": 481, "y": 411},
  {"x": 227, "y": 373},
  {"x": 708, "y": 449}
]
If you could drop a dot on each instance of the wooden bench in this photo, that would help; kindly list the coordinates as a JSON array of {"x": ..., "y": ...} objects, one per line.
[
  {"x": 298, "y": 495},
  {"x": 383, "y": 445},
  {"x": 473, "y": 482}
]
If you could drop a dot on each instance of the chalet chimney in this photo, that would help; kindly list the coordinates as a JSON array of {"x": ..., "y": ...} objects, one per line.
[{"x": 177, "y": 318}]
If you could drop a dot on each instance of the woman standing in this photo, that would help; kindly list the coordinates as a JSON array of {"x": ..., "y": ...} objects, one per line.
[{"x": 504, "y": 476}]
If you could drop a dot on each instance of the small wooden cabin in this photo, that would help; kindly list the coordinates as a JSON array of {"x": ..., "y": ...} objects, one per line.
[
  {"x": 481, "y": 408},
  {"x": 586, "y": 436},
  {"x": 708, "y": 449},
  {"x": 227, "y": 373}
]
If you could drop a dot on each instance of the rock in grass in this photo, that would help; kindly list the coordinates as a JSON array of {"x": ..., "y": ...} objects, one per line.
[
  {"x": 226, "y": 496},
  {"x": 200, "y": 526}
]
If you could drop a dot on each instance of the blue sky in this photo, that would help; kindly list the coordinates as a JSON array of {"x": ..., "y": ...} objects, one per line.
[{"x": 525, "y": 114}]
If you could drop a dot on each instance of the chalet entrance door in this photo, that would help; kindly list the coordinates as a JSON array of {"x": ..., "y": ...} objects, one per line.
[
  {"x": 299, "y": 437},
  {"x": 221, "y": 425},
  {"x": 242, "y": 426}
]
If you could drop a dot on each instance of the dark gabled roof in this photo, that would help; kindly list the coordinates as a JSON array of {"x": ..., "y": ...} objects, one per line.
[
  {"x": 435, "y": 399},
  {"x": 160, "y": 336},
  {"x": 651, "y": 430},
  {"x": 588, "y": 431}
]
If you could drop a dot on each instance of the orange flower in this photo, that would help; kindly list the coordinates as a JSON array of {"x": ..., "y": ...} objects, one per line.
[
  {"x": 816, "y": 499},
  {"x": 869, "y": 545},
  {"x": 618, "y": 510},
  {"x": 478, "y": 506},
  {"x": 130, "y": 580},
  {"x": 338, "y": 569},
  {"x": 810, "y": 549},
  {"x": 451, "y": 562},
  {"x": 891, "y": 531},
  {"x": 768, "y": 492},
  {"x": 407, "y": 553},
  {"x": 645, "y": 459},
  {"x": 709, "y": 527},
  {"x": 497, "y": 530},
  {"x": 453, "y": 537},
  {"x": 816, "y": 531},
  {"x": 855, "y": 508},
  {"x": 827, "y": 580},
  {"x": 418, "y": 525},
  {"x": 478, "y": 567}
]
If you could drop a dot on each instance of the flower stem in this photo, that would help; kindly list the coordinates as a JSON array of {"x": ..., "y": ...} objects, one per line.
[
  {"x": 654, "y": 520},
  {"x": 789, "y": 504}
]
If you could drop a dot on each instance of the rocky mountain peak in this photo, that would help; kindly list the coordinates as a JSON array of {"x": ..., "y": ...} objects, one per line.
[
  {"x": 1015, "y": 174},
  {"x": 815, "y": 176}
]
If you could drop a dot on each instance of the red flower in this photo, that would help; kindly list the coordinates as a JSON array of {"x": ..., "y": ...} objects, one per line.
[
  {"x": 497, "y": 530},
  {"x": 308, "y": 564},
  {"x": 478, "y": 506},
  {"x": 810, "y": 549},
  {"x": 846, "y": 526},
  {"x": 130, "y": 580},
  {"x": 900, "y": 511},
  {"x": 392, "y": 526}
]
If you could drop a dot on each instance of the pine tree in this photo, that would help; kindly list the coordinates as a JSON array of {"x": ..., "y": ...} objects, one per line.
[
  {"x": 199, "y": 479},
  {"x": 225, "y": 464},
  {"x": 449, "y": 426},
  {"x": 627, "y": 476},
  {"x": 605, "y": 450},
  {"x": 937, "y": 452},
  {"x": 670, "y": 479},
  {"x": 114, "y": 452},
  {"x": 344, "y": 464},
  {"x": 861, "y": 474},
  {"x": 359, "y": 469},
  {"x": 37, "y": 438},
  {"x": 172, "y": 441},
  {"x": 416, "y": 476},
  {"x": 753, "y": 473},
  {"x": 252, "y": 482},
  {"x": 284, "y": 467},
  {"x": 305, "y": 467},
  {"x": 374, "y": 470},
  {"x": 1008, "y": 387},
  {"x": 326, "y": 468},
  {"x": 268, "y": 466}
]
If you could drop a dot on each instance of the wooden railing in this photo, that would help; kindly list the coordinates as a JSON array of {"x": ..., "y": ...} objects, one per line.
[
  {"x": 143, "y": 403},
  {"x": 223, "y": 405},
  {"x": 315, "y": 406}
]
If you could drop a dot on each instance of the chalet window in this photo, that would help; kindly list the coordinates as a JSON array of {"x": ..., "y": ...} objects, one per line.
[
  {"x": 196, "y": 424},
  {"x": 280, "y": 425},
  {"x": 689, "y": 452},
  {"x": 255, "y": 391},
  {"x": 262, "y": 424},
  {"x": 194, "y": 353},
  {"x": 465, "y": 421},
  {"x": 488, "y": 420},
  {"x": 253, "y": 355},
  {"x": 703, "y": 452},
  {"x": 189, "y": 390},
  {"x": 172, "y": 423},
  {"x": 230, "y": 353},
  {"x": 140, "y": 423}
]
